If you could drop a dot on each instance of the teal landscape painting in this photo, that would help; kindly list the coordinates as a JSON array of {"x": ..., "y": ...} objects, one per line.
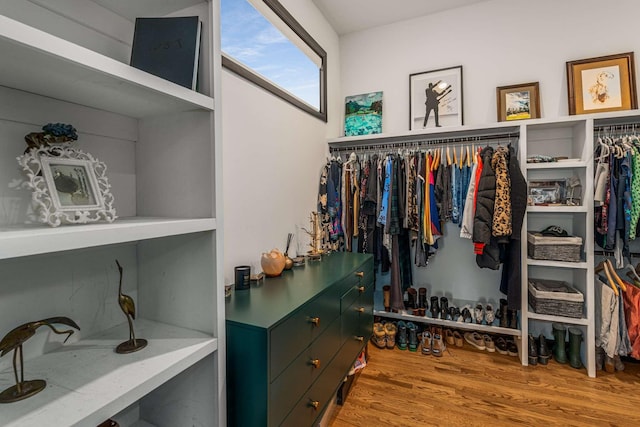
[{"x": 363, "y": 114}]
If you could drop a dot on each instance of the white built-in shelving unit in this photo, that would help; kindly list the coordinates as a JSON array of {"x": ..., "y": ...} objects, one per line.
[
  {"x": 67, "y": 61},
  {"x": 571, "y": 137}
]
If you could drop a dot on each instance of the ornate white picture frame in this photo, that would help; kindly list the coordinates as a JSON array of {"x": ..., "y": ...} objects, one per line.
[{"x": 68, "y": 186}]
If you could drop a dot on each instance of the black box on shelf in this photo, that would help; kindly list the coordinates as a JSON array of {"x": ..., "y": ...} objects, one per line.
[{"x": 556, "y": 298}]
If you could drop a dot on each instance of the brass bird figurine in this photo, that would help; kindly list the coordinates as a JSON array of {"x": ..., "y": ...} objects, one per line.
[
  {"x": 13, "y": 341},
  {"x": 129, "y": 309}
]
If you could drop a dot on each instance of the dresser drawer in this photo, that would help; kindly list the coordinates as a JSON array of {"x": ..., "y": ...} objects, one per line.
[
  {"x": 311, "y": 405},
  {"x": 301, "y": 373},
  {"x": 289, "y": 338}
]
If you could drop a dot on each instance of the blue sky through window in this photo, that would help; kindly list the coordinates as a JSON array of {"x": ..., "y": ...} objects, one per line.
[{"x": 251, "y": 39}]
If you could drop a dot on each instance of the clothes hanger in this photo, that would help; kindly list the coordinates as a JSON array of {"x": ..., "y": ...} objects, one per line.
[
  {"x": 455, "y": 158},
  {"x": 610, "y": 282},
  {"x": 448, "y": 157},
  {"x": 617, "y": 278},
  {"x": 468, "y": 157}
]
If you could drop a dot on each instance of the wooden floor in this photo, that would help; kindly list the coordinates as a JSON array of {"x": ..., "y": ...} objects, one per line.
[{"x": 468, "y": 387}]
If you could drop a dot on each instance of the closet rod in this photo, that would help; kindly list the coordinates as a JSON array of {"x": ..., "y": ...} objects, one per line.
[
  {"x": 424, "y": 143},
  {"x": 611, "y": 253},
  {"x": 618, "y": 127}
]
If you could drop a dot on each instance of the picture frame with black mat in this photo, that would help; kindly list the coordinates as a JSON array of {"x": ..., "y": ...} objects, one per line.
[{"x": 168, "y": 48}]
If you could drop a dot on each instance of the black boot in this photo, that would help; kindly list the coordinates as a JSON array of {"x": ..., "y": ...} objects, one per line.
[
  {"x": 544, "y": 354},
  {"x": 444, "y": 308},
  {"x": 559, "y": 351},
  {"x": 513, "y": 318},
  {"x": 413, "y": 299},
  {"x": 533, "y": 351},
  {"x": 422, "y": 301},
  {"x": 504, "y": 320},
  {"x": 435, "y": 308},
  {"x": 575, "y": 339}
]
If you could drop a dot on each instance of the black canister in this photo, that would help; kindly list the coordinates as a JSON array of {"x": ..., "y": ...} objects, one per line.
[{"x": 242, "y": 277}]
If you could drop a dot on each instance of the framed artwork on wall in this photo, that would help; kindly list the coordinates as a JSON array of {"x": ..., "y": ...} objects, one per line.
[
  {"x": 363, "y": 114},
  {"x": 605, "y": 83},
  {"x": 435, "y": 98},
  {"x": 518, "y": 102}
]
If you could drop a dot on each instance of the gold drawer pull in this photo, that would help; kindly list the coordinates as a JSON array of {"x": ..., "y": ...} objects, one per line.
[
  {"x": 314, "y": 404},
  {"x": 360, "y": 274},
  {"x": 361, "y": 289},
  {"x": 360, "y": 310},
  {"x": 315, "y": 321},
  {"x": 361, "y": 339},
  {"x": 315, "y": 363}
]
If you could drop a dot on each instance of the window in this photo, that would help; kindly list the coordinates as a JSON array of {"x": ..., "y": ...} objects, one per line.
[{"x": 264, "y": 44}]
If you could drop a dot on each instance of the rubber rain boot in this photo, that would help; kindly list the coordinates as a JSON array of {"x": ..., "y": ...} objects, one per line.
[
  {"x": 504, "y": 320},
  {"x": 559, "y": 351},
  {"x": 413, "y": 336},
  {"x": 401, "y": 337},
  {"x": 575, "y": 340}
]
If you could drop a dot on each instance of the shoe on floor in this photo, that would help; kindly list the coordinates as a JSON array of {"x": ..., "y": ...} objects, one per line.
[
  {"x": 475, "y": 339},
  {"x": 390, "y": 331},
  {"x": 512, "y": 348},
  {"x": 412, "y": 331},
  {"x": 544, "y": 353},
  {"x": 457, "y": 339},
  {"x": 438, "y": 347},
  {"x": 402, "y": 340},
  {"x": 426, "y": 343},
  {"x": 501, "y": 345},
  {"x": 379, "y": 337},
  {"x": 488, "y": 343},
  {"x": 533, "y": 351},
  {"x": 448, "y": 335}
]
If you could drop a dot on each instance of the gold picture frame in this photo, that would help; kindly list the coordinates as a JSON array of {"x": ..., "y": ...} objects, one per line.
[
  {"x": 605, "y": 83},
  {"x": 518, "y": 102}
]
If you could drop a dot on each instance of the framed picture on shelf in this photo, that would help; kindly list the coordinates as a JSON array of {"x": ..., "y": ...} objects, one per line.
[
  {"x": 68, "y": 186},
  {"x": 363, "y": 114},
  {"x": 605, "y": 83},
  {"x": 518, "y": 102},
  {"x": 435, "y": 98}
]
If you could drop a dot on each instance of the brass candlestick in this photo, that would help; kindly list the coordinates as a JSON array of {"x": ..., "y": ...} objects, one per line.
[
  {"x": 13, "y": 341},
  {"x": 129, "y": 309}
]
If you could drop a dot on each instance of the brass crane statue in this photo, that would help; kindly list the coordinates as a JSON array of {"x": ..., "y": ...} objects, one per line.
[
  {"x": 13, "y": 341},
  {"x": 129, "y": 309}
]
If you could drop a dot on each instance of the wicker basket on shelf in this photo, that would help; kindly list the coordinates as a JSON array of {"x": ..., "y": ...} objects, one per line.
[
  {"x": 554, "y": 248},
  {"x": 556, "y": 298}
]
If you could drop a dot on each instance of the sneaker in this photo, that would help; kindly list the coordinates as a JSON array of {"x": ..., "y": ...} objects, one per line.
[
  {"x": 489, "y": 315},
  {"x": 438, "y": 346},
  {"x": 475, "y": 339},
  {"x": 390, "y": 331},
  {"x": 512, "y": 348},
  {"x": 426, "y": 343},
  {"x": 478, "y": 314},
  {"x": 501, "y": 345},
  {"x": 488, "y": 343},
  {"x": 457, "y": 339},
  {"x": 465, "y": 315},
  {"x": 402, "y": 340},
  {"x": 379, "y": 337}
]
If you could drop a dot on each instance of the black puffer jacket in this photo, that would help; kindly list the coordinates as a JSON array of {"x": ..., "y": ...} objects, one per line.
[{"x": 485, "y": 199}]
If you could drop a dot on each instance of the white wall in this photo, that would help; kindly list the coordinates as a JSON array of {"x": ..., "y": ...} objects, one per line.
[
  {"x": 272, "y": 154},
  {"x": 498, "y": 43}
]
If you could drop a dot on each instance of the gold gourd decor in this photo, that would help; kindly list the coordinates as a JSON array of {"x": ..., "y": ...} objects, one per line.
[
  {"x": 129, "y": 309},
  {"x": 288, "y": 262},
  {"x": 273, "y": 263},
  {"x": 13, "y": 341}
]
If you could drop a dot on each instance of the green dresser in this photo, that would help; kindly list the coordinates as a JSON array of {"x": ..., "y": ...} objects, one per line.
[{"x": 292, "y": 340}]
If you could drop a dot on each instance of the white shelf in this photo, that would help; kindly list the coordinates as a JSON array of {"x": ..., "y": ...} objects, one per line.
[
  {"x": 38, "y": 62},
  {"x": 448, "y": 323},
  {"x": 87, "y": 382},
  {"x": 141, "y": 8},
  {"x": 557, "y": 319},
  {"x": 560, "y": 264},
  {"x": 552, "y": 209},
  {"x": 38, "y": 239},
  {"x": 557, "y": 165}
]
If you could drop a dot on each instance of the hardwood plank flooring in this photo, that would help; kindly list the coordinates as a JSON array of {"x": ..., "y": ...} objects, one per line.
[{"x": 468, "y": 387}]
